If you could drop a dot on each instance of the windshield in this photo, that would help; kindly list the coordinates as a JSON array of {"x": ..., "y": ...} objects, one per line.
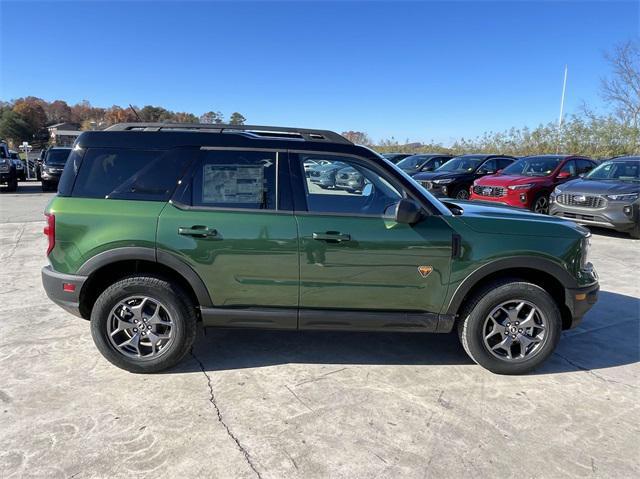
[
  {"x": 57, "y": 157},
  {"x": 616, "y": 170},
  {"x": 411, "y": 162},
  {"x": 462, "y": 163},
  {"x": 533, "y": 166}
]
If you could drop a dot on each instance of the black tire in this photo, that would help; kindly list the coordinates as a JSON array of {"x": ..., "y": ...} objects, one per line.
[
  {"x": 461, "y": 194},
  {"x": 177, "y": 304},
  {"x": 541, "y": 198},
  {"x": 472, "y": 323},
  {"x": 635, "y": 232},
  {"x": 46, "y": 186},
  {"x": 13, "y": 185}
]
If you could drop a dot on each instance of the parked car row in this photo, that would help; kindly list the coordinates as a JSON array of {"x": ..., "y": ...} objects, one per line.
[{"x": 573, "y": 187}]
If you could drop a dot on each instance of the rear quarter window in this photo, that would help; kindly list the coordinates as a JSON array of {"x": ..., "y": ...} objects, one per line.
[{"x": 130, "y": 174}]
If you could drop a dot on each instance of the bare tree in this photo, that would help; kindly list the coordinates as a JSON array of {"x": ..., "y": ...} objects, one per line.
[{"x": 622, "y": 90}]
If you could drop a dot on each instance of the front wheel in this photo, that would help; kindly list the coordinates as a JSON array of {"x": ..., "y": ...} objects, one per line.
[
  {"x": 143, "y": 324},
  {"x": 541, "y": 204},
  {"x": 461, "y": 194},
  {"x": 635, "y": 232},
  {"x": 510, "y": 327}
]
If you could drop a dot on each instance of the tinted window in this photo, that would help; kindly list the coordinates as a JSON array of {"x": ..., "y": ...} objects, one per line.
[
  {"x": 569, "y": 167},
  {"x": 503, "y": 163},
  {"x": 584, "y": 166},
  {"x": 347, "y": 185},
  {"x": 489, "y": 165},
  {"x": 69, "y": 173},
  {"x": 130, "y": 174},
  {"x": 236, "y": 179},
  {"x": 57, "y": 157}
]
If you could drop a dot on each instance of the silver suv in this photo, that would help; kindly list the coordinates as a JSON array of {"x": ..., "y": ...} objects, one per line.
[{"x": 607, "y": 196}]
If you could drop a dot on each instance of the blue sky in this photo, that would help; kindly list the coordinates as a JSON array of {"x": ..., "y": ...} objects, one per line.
[{"x": 417, "y": 70}]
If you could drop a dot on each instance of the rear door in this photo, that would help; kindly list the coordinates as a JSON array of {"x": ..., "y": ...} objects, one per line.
[
  {"x": 231, "y": 223},
  {"x": 354, "y": 257}
]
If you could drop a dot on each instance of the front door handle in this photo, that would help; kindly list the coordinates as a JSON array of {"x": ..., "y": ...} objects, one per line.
[
  {"x": 331, "y": 236},
  {"x": 199, "y": 231}
]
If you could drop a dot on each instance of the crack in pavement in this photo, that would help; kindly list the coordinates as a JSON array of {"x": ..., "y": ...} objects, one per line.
[
  {"x": 212, "y": 400},
  {"x": 592, "y": 373}
]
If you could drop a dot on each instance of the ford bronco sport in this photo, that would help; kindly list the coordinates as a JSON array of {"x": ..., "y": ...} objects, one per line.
[{"x": 158, "y": 226}]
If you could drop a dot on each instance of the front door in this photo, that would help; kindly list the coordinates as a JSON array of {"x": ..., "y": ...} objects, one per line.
[
  {"x": 227, "y": 222},
  {"x": 353, "y": 256}
]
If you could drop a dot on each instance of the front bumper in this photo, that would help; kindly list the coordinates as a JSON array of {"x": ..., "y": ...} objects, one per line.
[
  {"x": 48, "y": 176},
  {"x": 5, "y": 177},
  {"x": 612, "y": 216},
  {"x": 580, "y": 301},
  {"x": 54, "y": 285}
]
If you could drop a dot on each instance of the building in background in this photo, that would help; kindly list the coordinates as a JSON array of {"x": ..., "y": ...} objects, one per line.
[{"x": 63, "y": 134}]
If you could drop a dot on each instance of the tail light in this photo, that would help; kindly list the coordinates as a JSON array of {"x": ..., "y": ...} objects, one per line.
[{"x": 50, "y": 231}]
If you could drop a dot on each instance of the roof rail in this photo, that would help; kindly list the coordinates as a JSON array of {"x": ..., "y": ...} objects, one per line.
[{"x": 252, "y": 130}]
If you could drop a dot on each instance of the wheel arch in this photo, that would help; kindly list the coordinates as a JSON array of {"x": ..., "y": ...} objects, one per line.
[
  {"x": 544, "y": 273},
  {"x": 105, "y": 268}
]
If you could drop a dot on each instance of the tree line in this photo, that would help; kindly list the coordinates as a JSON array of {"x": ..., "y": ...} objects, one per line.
[{"x": 27, "y": 118}]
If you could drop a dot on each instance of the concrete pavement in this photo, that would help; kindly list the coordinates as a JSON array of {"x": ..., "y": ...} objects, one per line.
[{"x": 273, "y": 404}]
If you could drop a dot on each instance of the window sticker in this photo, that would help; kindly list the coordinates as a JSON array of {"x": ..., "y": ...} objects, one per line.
[{"x": 233, "y": 184}]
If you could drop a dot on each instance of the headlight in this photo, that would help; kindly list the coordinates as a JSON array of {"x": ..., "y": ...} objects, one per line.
[
  {"x": 556, "y": 191},
  {"x": 443, "y": 182},
  {"x": 520, "y": 187},
  {"x": 625, "y": 197}
]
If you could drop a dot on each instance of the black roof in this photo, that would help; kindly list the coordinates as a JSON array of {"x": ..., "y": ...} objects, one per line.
[{"x": 174, "y": 135}]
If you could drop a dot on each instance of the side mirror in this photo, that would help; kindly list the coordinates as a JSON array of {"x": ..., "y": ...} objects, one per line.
[
  {"x": 563, "y": 175},
  {"x": 407, "y": 212}
]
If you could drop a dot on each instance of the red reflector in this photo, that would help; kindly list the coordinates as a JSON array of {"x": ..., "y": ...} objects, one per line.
[
  {"x": 50, "y": 231},
  {"x": 68, "y": 287}
]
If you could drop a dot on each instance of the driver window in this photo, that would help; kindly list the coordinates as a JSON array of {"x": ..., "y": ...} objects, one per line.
[
  {"x": 336, "y": 184},
  {"x": 488, "y": 166},
  {"x": 569, "y": 167}
]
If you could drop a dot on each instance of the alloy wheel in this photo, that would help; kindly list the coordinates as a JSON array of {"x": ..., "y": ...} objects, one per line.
[
  {"x": 541, "y": 205},
  {"x": 515, "y": 330},
  {"x": 140, "y": 327},
  {"x": 462, "y": 195}
]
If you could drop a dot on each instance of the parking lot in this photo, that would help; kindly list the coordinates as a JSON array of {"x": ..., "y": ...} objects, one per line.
[{"x": 276, "y": 404}]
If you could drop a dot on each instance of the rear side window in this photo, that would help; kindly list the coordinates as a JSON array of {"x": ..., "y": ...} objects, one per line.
[
  {"x": 70, "y": 171},
  {"x": 236, "y": 179},
  {"x": 128, "y": 174}
]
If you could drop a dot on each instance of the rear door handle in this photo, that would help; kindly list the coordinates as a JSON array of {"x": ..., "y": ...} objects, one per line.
[
  {"x": 199, "y": 231},
  {"x": 331, "y": 236}
]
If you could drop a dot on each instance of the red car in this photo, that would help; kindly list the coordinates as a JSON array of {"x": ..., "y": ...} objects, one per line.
[{"x": 528, "y": 182}]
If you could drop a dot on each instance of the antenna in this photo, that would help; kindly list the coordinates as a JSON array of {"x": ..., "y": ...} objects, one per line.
[{"x": 140, "y": 119}]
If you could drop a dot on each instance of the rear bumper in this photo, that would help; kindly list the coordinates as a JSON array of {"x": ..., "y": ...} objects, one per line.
[
  {"x": 580, "y": 301},
  {"x": 53, "y": 283}
]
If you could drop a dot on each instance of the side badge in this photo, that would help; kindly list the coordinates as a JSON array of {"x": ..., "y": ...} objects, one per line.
[{"x": 425, "y": 270}]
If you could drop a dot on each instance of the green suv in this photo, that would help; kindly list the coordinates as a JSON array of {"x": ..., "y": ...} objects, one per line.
[{"x": 157, "y": 227}]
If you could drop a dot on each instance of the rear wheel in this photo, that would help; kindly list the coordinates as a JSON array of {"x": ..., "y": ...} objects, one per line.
[
  {"x": 510, "y": 327},
  {"x": 143, "y": 324}
]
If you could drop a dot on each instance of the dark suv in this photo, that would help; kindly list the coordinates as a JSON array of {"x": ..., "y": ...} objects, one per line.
[
  {"x": 52, "y": 166},
  {"x": 157, "y": 226},
  {"x": 8, "y": 172},
  {"x": 455, "y": 177}
]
